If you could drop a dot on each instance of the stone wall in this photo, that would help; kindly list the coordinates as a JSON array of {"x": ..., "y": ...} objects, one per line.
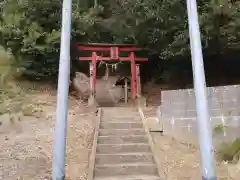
[{"x": 178, "y": 113}]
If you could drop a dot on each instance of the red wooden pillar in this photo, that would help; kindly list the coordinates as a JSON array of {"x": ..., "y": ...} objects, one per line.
[
  {"x": 92, "y": 69},
  {"x": 133, "y": 75},
  {"x": 94, "y": 62},
  {"x": 138, "y": 80}
]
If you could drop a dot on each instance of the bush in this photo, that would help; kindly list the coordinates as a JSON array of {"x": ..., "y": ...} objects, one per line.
[{"x": 230, "y": 151}]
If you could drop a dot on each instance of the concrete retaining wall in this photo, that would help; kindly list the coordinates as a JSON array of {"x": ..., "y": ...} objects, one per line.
[{"x": 178, "y": 112}]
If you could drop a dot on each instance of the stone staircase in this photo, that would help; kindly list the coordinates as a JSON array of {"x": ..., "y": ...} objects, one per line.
[{"x": 122, "y": 149}]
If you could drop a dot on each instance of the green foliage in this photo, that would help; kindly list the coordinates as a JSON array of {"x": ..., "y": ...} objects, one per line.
[
  {"x": 230, "y": 151},
  {"x": 219, "y": 129},
  {"x": 30, "y": 30},
  {"x": 6, "y": 64},
  {"x": 163, "y": 26}
]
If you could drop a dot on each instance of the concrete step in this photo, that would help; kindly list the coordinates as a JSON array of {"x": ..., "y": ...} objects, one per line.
[
  {"x": 122, "y": 119},
  {"x": 121, "y": 148},
  {"x": 124, "y": 110},
  {"x": 122, "y": 139},
  {"x": 121, "y": 125},
  {"x": 121, "y": 132},
  {"x": 124, "y": 158},
  {"x": 107, "y": 170},
  {"x": 121, "y": 114},
  {"x": 129, "y": 177}
]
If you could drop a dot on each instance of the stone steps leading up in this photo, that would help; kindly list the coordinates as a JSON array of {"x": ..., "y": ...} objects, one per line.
[{"x": 122, "y": 149}]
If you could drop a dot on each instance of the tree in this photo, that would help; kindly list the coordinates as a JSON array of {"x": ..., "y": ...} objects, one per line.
[{"x": 31, "y": 29}]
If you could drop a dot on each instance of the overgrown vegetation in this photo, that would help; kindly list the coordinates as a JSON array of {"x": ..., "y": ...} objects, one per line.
[
  {"x": 230, "y": 151},
  {"x": 219, "y": 129},
  {"x": 227, "y": 151},
  {"x": 13, "y": 100},
  {"x": 30, "y": 30}
]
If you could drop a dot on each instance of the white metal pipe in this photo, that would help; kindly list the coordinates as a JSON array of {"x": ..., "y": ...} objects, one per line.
[
  {"x": 203, "y": 119},
  {"x": 59, "y": 149}
]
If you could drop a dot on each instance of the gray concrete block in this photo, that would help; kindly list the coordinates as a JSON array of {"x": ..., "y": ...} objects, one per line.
[
  {"x": 215, "y": 112},
  {"x": 215, "y": 105},
  {"x": 232, "y": 122},
  {"x": 238, "y": 102},
  {"x": 230, "y": 112},
  {"x": 229, "y": 93},
  {"x": 165, "y": 117},
  {"x": 184, "y": 123},
  {"x": 191, "y": 114},
  {"x": 177, "y": 113},
  {"x": 167, "y": 109},
  {"x": 223, "y": 103},
  {"x": 165, "y": 102},
  {"x": 229, "y": 104},
  {"x": 210, "y": 92},
  {"x": 215, "y": 94},
  {"x": 211, "y": 100},
  {"x": 215, "y": 121},
  {"x": 167, "y": 126},
  {"x": 191, "y": 104},
  {"x": 237, "y": 96},
  {"x": 178, "y": 97},
  {"x": 178, "y": 105}
]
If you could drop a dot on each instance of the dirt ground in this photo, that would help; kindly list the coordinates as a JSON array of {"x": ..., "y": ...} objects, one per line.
[
  {"x": 181, "y": 161},
  {"x": 26, "y": 145}
]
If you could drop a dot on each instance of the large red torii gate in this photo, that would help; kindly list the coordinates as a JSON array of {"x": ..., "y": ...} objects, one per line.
[{"x": 114, "y": 51}]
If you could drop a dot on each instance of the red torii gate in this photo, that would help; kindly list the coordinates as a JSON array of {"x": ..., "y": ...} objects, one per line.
[{"x": 114, "y": 50}]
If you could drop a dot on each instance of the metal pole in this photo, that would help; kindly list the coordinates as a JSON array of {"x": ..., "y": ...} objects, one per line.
[
  {"x": 59, "y": 149},
  {"x": 204, "y": 126}
]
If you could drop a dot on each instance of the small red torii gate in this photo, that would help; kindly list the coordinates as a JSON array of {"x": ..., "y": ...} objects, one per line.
[{"x": 114, "y": 50}]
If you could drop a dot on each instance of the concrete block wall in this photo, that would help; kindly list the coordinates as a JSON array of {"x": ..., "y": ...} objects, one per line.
[{"x": 178, "y": 112}]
